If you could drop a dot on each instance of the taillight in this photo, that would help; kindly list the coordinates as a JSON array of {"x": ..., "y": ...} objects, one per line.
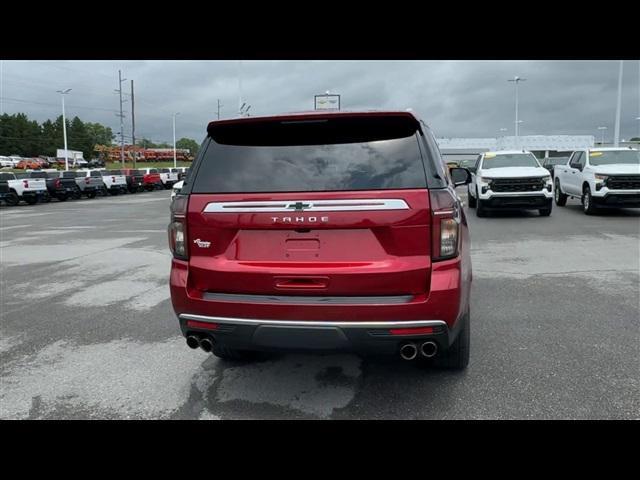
[
  {"x": 445, "y": 224},
  {"x": 178, "y": 227},
  {"x": 58, "y": 183},
  {"x": 25, "y": 183},
  {"x": 87, "y": 180},
  {"x": 113, "y": 179}
]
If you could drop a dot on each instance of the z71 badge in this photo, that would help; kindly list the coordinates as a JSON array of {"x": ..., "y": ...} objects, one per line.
[{"x": 202, "y": 243}]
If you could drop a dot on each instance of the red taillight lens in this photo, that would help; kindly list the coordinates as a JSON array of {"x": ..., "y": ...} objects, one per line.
[
  {"x": 87, "y": 180},
  {"x": 178, "y": 227},
  {"x": 58, "y": 183},
  {"x": 411, "y": 331},
  {"x": 445, "y": 223},
  {"x": 205, "y": 325},
  {"x": 25, "y": 183}
]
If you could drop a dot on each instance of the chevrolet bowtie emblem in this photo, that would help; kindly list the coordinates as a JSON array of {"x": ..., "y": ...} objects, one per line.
[{"x": 298, "y": 206}]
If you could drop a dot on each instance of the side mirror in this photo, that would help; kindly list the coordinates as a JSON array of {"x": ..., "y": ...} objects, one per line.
[{"x": 460, "y": 176}]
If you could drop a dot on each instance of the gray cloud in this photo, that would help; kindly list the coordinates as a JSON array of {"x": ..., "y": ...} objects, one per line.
[{"x": 457, "y": 98}]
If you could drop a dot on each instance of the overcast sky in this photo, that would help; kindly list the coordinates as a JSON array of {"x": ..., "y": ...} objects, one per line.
[{"x": 457, "y": 98}]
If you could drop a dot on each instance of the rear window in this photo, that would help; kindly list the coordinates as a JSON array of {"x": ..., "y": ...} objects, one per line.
[
  {"x": 96, "y": 174},
  {"x": 7, "y": 176},
  {"x": 39, "y": 175},
  {"x": 67, "y": 174},
  {"x": 375, "y": 153}
]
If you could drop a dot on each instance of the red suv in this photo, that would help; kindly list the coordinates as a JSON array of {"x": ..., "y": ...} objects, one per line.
[{"x": 322, "y": 231}]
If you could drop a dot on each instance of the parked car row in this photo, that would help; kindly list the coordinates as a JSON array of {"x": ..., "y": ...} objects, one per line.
[
  {"x": 599, "y": 177},
  {"x": 37, "y": 163},
  {"x": 43, "y": 185}
]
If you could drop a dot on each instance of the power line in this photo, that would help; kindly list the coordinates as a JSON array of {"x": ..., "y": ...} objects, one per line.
[{"x": 19, "y": 100}]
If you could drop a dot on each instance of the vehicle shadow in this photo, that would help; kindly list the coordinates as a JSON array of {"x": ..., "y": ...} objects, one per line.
[
  {"x": 606, "y": 212},
  {"x": 320, "y": 386},
  {"x": 507, "y": 213}
]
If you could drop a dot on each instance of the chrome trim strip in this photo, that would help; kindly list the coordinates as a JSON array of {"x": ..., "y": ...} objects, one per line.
[
  {"x": 312, "y": 323},
  {"x": 308, "y": 299},
  {"x": 300, "y": 206}
]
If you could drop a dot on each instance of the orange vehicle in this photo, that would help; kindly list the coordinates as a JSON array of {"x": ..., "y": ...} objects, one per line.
[{"x": 29, "y": 163}]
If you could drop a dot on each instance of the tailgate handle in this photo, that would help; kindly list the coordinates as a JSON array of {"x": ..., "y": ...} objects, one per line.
[{"x": 300, "y": 283}]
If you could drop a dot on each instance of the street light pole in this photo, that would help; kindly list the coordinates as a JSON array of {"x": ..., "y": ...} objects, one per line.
[
  {"x": 64, "y": 128},
  {"x": 616, "y": 132},
  {"x": 175, "y": 161},
  {"x": 517, "y": 80}
]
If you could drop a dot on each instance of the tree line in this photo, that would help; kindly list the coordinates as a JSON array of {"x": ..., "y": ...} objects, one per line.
[{"x": 28, "y": 138}]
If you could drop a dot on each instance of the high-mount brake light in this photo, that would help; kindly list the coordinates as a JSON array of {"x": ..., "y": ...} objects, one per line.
[{"x": 445, "y": 224}]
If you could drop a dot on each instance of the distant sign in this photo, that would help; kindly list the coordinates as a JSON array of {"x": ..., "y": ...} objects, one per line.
[
  {"x": 72, "y": 154},
  {"x": 327, "y": 102}
]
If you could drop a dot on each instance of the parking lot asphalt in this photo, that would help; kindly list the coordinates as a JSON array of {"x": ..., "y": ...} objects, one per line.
[{"x": 87, "y": 329}]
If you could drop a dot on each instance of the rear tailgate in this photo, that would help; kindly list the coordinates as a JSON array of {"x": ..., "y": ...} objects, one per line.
[
  {"x": 317, "y": 207},
  {"x": 34, "y": 184},
  {"x": 355, "y": 253}
]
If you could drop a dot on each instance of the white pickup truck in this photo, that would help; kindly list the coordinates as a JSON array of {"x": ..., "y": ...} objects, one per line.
[
  {"x": 169, "y": 176},
  {"x": 28, "y": 189},
  {"x": 114, "y": 181},
  {"x": 510, "y": 179},
  {"x": 606, "y": 177}
]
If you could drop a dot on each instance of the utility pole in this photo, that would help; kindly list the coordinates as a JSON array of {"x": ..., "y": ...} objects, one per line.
[
  {"x": 616, "y": 132},
  {"x": 175, "y": 162},
  {"x": 240, "y": 102},
  {"x": 121, "y": 115},
  {"x": 133, "y": 128},
  {"x": 1, "y": 87},
  {"x": 638, "y": 117},
  {"x": 219, "y": 105}
]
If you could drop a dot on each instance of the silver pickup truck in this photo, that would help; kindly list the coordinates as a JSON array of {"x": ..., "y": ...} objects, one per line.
[{"x": 90, "y": 182}]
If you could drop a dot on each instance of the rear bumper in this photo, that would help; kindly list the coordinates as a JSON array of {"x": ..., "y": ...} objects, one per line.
[
  {"x": 273, "y": 335},
  {"x": 331, "y": 326}
]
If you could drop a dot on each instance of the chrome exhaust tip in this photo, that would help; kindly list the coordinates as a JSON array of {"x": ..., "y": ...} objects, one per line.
[
  {"x": 206, "y": 344},
  {"x": 408, "y": 351},
  {"x": 193, "y": 342},
  {"x": 429, "y": 349}
]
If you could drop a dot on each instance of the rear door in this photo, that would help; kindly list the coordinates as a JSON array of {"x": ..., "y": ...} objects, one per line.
[{"x": 335, "y": 208}]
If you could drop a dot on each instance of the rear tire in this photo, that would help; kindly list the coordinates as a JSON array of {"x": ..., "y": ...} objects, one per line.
[
  {"x": 62, "y": 197},
  {"x": 545, "y": 212},
  {"x": 12, "y": 199},
  {"x": 92, "y": 194},
  {"x": 456, "y": 357},
  {"x": 31, "y": 200},
  {"x": 560, "y": 198},
  {"x": 587, "y": 202}
]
